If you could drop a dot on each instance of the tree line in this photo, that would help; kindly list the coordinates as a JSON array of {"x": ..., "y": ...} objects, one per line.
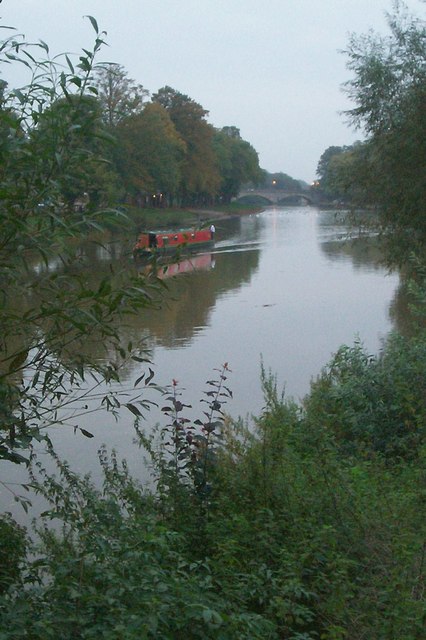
[{"x": 146, "y": 152}]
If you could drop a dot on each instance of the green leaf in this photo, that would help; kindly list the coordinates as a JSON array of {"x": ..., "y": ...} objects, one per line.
[
  {"x": 70, "y": 64},
  {"x": 94, "y": 23},
  {"x": 139, "y": 380},
  {"x": 86, "y": 433},
  {"x": 133, "y": 409},
  {"x": 44, "y": 46},
  {"x": 12, "y": 456},
  {"x": 150, "y": 377},
  {"x": 19, "y": 95},
  {"x": 18, "y": 361}
]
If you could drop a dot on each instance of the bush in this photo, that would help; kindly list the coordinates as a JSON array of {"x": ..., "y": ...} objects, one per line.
[
  {"x": 113, "y": 569},
  {"x": 373, "y": 404}
]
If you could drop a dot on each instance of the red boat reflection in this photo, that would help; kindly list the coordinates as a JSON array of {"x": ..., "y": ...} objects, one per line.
[{"x": 201, "y": 262}]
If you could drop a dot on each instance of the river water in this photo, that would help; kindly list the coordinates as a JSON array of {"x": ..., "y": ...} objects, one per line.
[{"x": 286, "y": 286}]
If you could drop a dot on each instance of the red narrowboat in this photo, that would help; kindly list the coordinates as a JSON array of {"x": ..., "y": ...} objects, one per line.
[{"x": 167, "y": 242}]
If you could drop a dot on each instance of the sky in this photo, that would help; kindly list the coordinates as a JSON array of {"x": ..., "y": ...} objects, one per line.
[{"x": 274, "y": 69}]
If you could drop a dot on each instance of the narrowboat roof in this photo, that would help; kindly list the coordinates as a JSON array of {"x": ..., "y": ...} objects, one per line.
[{"x": 185, "y": 230}]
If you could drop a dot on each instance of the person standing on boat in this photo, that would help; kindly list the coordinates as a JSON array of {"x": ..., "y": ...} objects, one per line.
[{"x": 212, "y": 231}]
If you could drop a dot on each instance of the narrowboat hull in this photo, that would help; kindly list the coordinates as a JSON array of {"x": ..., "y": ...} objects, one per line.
[{"x": 170, "y": 242}]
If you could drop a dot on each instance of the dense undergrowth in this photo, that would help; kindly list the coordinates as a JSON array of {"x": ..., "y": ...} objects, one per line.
[{"x": 309, "y": 524}]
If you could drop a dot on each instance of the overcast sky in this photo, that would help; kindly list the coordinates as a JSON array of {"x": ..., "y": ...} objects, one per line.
[{"x": 272, "y": 68}]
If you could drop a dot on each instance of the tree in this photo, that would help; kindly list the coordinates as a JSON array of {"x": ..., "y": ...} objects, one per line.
[
  {"x": 237, "y": 160},
  {"x": 6, "y": 114},
  {"x": 281, "y": 180},
  {"x": 344, "y": 174},
  {"x": 200, "y": 174},
  {"x": 149, "y": 154},
  {"x": 119, "y": 96},
  {"x": 339, "y": 183},
  {"x": 324, "y": 161},
  {"x": 389, "y": 91}
]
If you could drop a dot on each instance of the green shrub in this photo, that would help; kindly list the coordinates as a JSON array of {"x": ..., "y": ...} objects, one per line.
[
  {"x": 113, "y": 569},
  {"x": 322, "y": 543},
  {"x": 373, "y": 404}
]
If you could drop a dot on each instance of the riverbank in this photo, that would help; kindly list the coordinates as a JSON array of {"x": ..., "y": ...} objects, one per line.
[{"x": 154, "y": 218}]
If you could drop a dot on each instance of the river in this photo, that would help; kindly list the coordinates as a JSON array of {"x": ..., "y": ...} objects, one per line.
[{"x": 286, "y": 286}]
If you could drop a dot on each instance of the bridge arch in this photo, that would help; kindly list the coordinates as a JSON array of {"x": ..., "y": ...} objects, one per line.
[
  {"x": 254, "y": 198},
  {"x": 302, "y": 198},
  {"x": 275, "y": 196}
]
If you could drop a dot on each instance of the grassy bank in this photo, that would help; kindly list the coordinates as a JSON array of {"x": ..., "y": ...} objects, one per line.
[{"x": 154, "y": 218}]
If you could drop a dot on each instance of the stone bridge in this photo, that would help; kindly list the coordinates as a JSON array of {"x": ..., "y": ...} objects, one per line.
[{"x": 278, "y": 196}]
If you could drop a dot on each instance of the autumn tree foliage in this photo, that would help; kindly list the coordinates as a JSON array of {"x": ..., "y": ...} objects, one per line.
[
  {"x": 200, "y": 173},
  {"x": 166, "y": 152},
  {"x": 149, "y": 155}
]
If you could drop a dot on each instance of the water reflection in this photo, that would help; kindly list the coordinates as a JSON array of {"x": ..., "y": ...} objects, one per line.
[
  {"x": 343, "y": 237},
  {"x": 186, "y": 309},
  {"x": 361, "y": 252},
  {"x": 169, "y": 269}
]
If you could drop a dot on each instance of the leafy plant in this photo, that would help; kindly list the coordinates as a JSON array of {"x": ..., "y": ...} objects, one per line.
[
  {"x": 183, "y": 452},
  {"x": 373, "y": 404},
  {"x": 51, "y": 158}
]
